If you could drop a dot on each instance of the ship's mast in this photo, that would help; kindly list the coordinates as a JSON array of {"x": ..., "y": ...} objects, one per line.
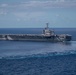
[{"x": 47, "y": 25}]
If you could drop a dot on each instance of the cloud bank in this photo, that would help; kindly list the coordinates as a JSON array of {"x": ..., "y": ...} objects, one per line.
[
  {"x": 36, "y": 5},
  {"x": 41, "y": 4},
  {"x": 33, "y": 10}
]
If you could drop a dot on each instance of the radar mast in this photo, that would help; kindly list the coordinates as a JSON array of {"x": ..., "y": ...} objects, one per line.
[{"x": 47, "y": 25}]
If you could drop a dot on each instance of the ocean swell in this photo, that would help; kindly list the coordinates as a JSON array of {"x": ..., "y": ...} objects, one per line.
[{"x": 71, "y": 52}]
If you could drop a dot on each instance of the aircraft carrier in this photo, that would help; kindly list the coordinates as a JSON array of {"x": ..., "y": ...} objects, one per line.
[{"x": 47, "y": 35}]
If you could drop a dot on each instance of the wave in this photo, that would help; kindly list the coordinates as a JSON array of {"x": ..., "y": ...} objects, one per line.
[{"x": 40, "y": 55}]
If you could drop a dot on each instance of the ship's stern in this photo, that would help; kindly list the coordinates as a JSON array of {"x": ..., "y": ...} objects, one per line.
[
  {"x": 68, "y": 38},
  {"x": 65, "y": 37}
]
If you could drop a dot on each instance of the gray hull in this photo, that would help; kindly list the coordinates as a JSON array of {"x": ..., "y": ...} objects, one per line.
[
  {"x": 47, "y": 35},
  {"x": 35, "y": 37}
]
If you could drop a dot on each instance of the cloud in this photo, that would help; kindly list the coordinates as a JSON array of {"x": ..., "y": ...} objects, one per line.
[
  {"x": 57, "y": 15},
  {"x": 33, "y": 5},
  {"x": 40, "y": 4},
  {"x": 48, "y": 4},
  {"x": 2, "y": 12},
  {"x": 27, "y": 16},
  {"x": 18, "y": 19},
  {"x": 3, "y": 5}
]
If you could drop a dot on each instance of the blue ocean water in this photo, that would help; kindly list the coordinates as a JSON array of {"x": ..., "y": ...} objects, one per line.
[{"x": 37, "y": 58}]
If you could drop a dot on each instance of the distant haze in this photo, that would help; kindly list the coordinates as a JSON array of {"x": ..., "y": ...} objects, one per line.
[{"x": 36, "y": 13}]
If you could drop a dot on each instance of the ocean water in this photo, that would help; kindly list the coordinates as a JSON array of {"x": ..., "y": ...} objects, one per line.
[{"x": 37, "y": 58}]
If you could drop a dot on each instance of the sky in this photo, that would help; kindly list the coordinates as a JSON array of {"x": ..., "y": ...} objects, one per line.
[{"x": 36, "y": 13}]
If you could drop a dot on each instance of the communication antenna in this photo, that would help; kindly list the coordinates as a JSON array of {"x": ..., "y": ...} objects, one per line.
[{"x": 47, "y": 25}]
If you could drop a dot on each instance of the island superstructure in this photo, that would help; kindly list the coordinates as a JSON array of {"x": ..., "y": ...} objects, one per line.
[{"x": 47, "y": 35}]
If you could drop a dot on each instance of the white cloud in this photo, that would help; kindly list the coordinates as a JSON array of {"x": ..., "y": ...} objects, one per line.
[
  {"x": 51, "y": 3},
  {"x": 37, "y": 5},
  {"x": 3, "y": 5},
  {"x": 3, "y": 13},
  {"x": 27, "y": 16},
  {"x": 18, "y": 19},
  {"x": 57, "y": 15}
]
